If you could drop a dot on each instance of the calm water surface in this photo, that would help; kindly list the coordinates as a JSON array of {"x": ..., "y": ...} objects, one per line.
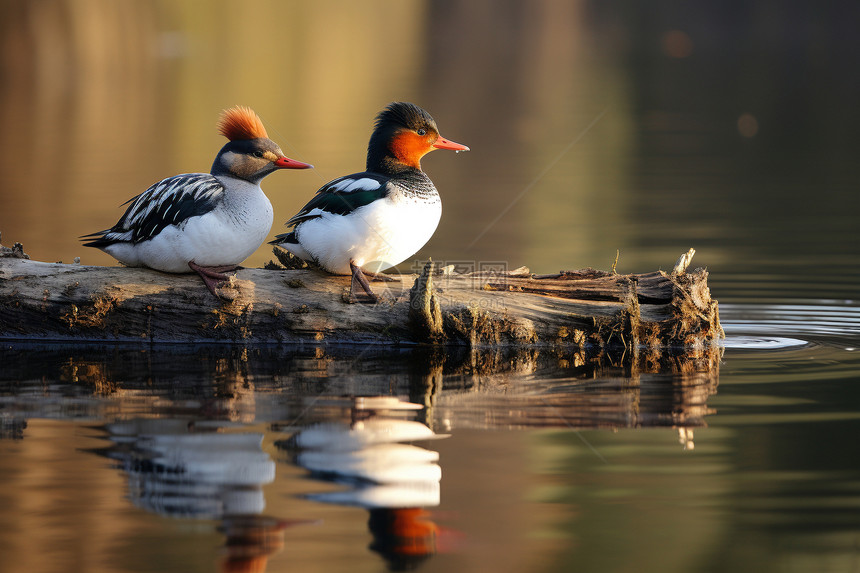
[
  {"x": 221, "y": 458},
  {"x": 594, "y": 127}
]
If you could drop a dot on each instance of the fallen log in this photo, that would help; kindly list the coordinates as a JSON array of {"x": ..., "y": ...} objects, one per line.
[{"x": 587, "y": 308}]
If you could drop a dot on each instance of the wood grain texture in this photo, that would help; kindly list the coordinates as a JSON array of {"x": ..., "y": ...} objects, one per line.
[{"x": 84, "y": 303}]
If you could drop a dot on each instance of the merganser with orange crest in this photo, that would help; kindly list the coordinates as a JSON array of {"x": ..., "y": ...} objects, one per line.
[{"x": 207, "y": 223}]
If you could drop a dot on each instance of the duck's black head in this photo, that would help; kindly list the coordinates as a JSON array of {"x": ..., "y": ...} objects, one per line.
[{"x": 402, "y": 134}]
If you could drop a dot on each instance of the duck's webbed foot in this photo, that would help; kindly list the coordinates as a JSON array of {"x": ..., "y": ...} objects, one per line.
[
  {"x": 378, "y": 276},
  {"x": 212, "y": 276}
]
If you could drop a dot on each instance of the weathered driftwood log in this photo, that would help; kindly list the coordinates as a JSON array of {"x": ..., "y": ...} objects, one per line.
[{"x": 581, "y": 308}]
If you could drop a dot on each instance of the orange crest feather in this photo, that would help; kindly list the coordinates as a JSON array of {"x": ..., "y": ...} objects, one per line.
[{"x": 241, "y": 122}]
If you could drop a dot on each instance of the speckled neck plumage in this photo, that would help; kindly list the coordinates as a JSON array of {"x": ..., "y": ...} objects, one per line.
[{"x": 414, "y": 183}]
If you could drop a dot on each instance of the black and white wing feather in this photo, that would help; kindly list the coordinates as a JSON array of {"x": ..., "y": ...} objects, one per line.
[
  {"x": 169, "y": 202},
  {"x": 341, "y": 196},
  {"x": 344, "y": 195}
]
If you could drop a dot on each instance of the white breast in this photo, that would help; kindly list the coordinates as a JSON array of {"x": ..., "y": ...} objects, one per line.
[
  {"x": 227, "y": 235},
  {"x": 376, "y": 237}
]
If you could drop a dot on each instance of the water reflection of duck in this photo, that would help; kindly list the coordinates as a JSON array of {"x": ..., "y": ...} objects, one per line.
[
  {"x": 180, "y": 469},
  {"x": 189, "y": 469},
  {"x": 394, "y": 481},
  {"x": 404, "y": 536},
  {"x": 250, "y": 540}
]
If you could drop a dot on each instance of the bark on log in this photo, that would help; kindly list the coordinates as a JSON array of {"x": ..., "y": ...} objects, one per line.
[{"x": 588, "y": 308}]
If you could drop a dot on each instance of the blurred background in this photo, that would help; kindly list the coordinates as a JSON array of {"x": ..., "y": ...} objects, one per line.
[
  {"x": 595, "y": 126},
  {"x": 647, "y": 128}
]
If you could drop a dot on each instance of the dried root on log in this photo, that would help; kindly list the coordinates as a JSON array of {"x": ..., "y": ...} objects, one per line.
[
  {"x": 574, "y": 308},
  {"x": 16, "y": 251}
]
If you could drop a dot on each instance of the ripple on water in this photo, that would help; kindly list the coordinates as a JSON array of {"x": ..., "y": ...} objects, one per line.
[
  {"x": 762, "y": 342},
  {"x": 778, "y": 326}
]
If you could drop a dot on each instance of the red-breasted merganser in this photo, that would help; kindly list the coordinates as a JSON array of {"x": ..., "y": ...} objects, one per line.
[
  {"x": 364, "y": 223},
  {"x": 203, "y": 222}
]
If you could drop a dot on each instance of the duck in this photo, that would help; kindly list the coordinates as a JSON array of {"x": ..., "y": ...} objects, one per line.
[
  {"x": 204, "y": 223},
  {"x": 364, "y": 223}
]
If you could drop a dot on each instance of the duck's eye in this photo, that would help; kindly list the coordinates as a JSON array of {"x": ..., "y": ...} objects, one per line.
[
  {"x": 258, "y": 154},
  {"x": 421, "y": 131}
]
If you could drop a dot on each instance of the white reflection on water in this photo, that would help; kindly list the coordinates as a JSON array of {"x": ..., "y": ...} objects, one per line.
[
  {"x": 369, "y": 455},
  {"x": 761, "y": 342},
  {"x": 765, "y": 327},
  {"x": 180, "y": 468}
]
